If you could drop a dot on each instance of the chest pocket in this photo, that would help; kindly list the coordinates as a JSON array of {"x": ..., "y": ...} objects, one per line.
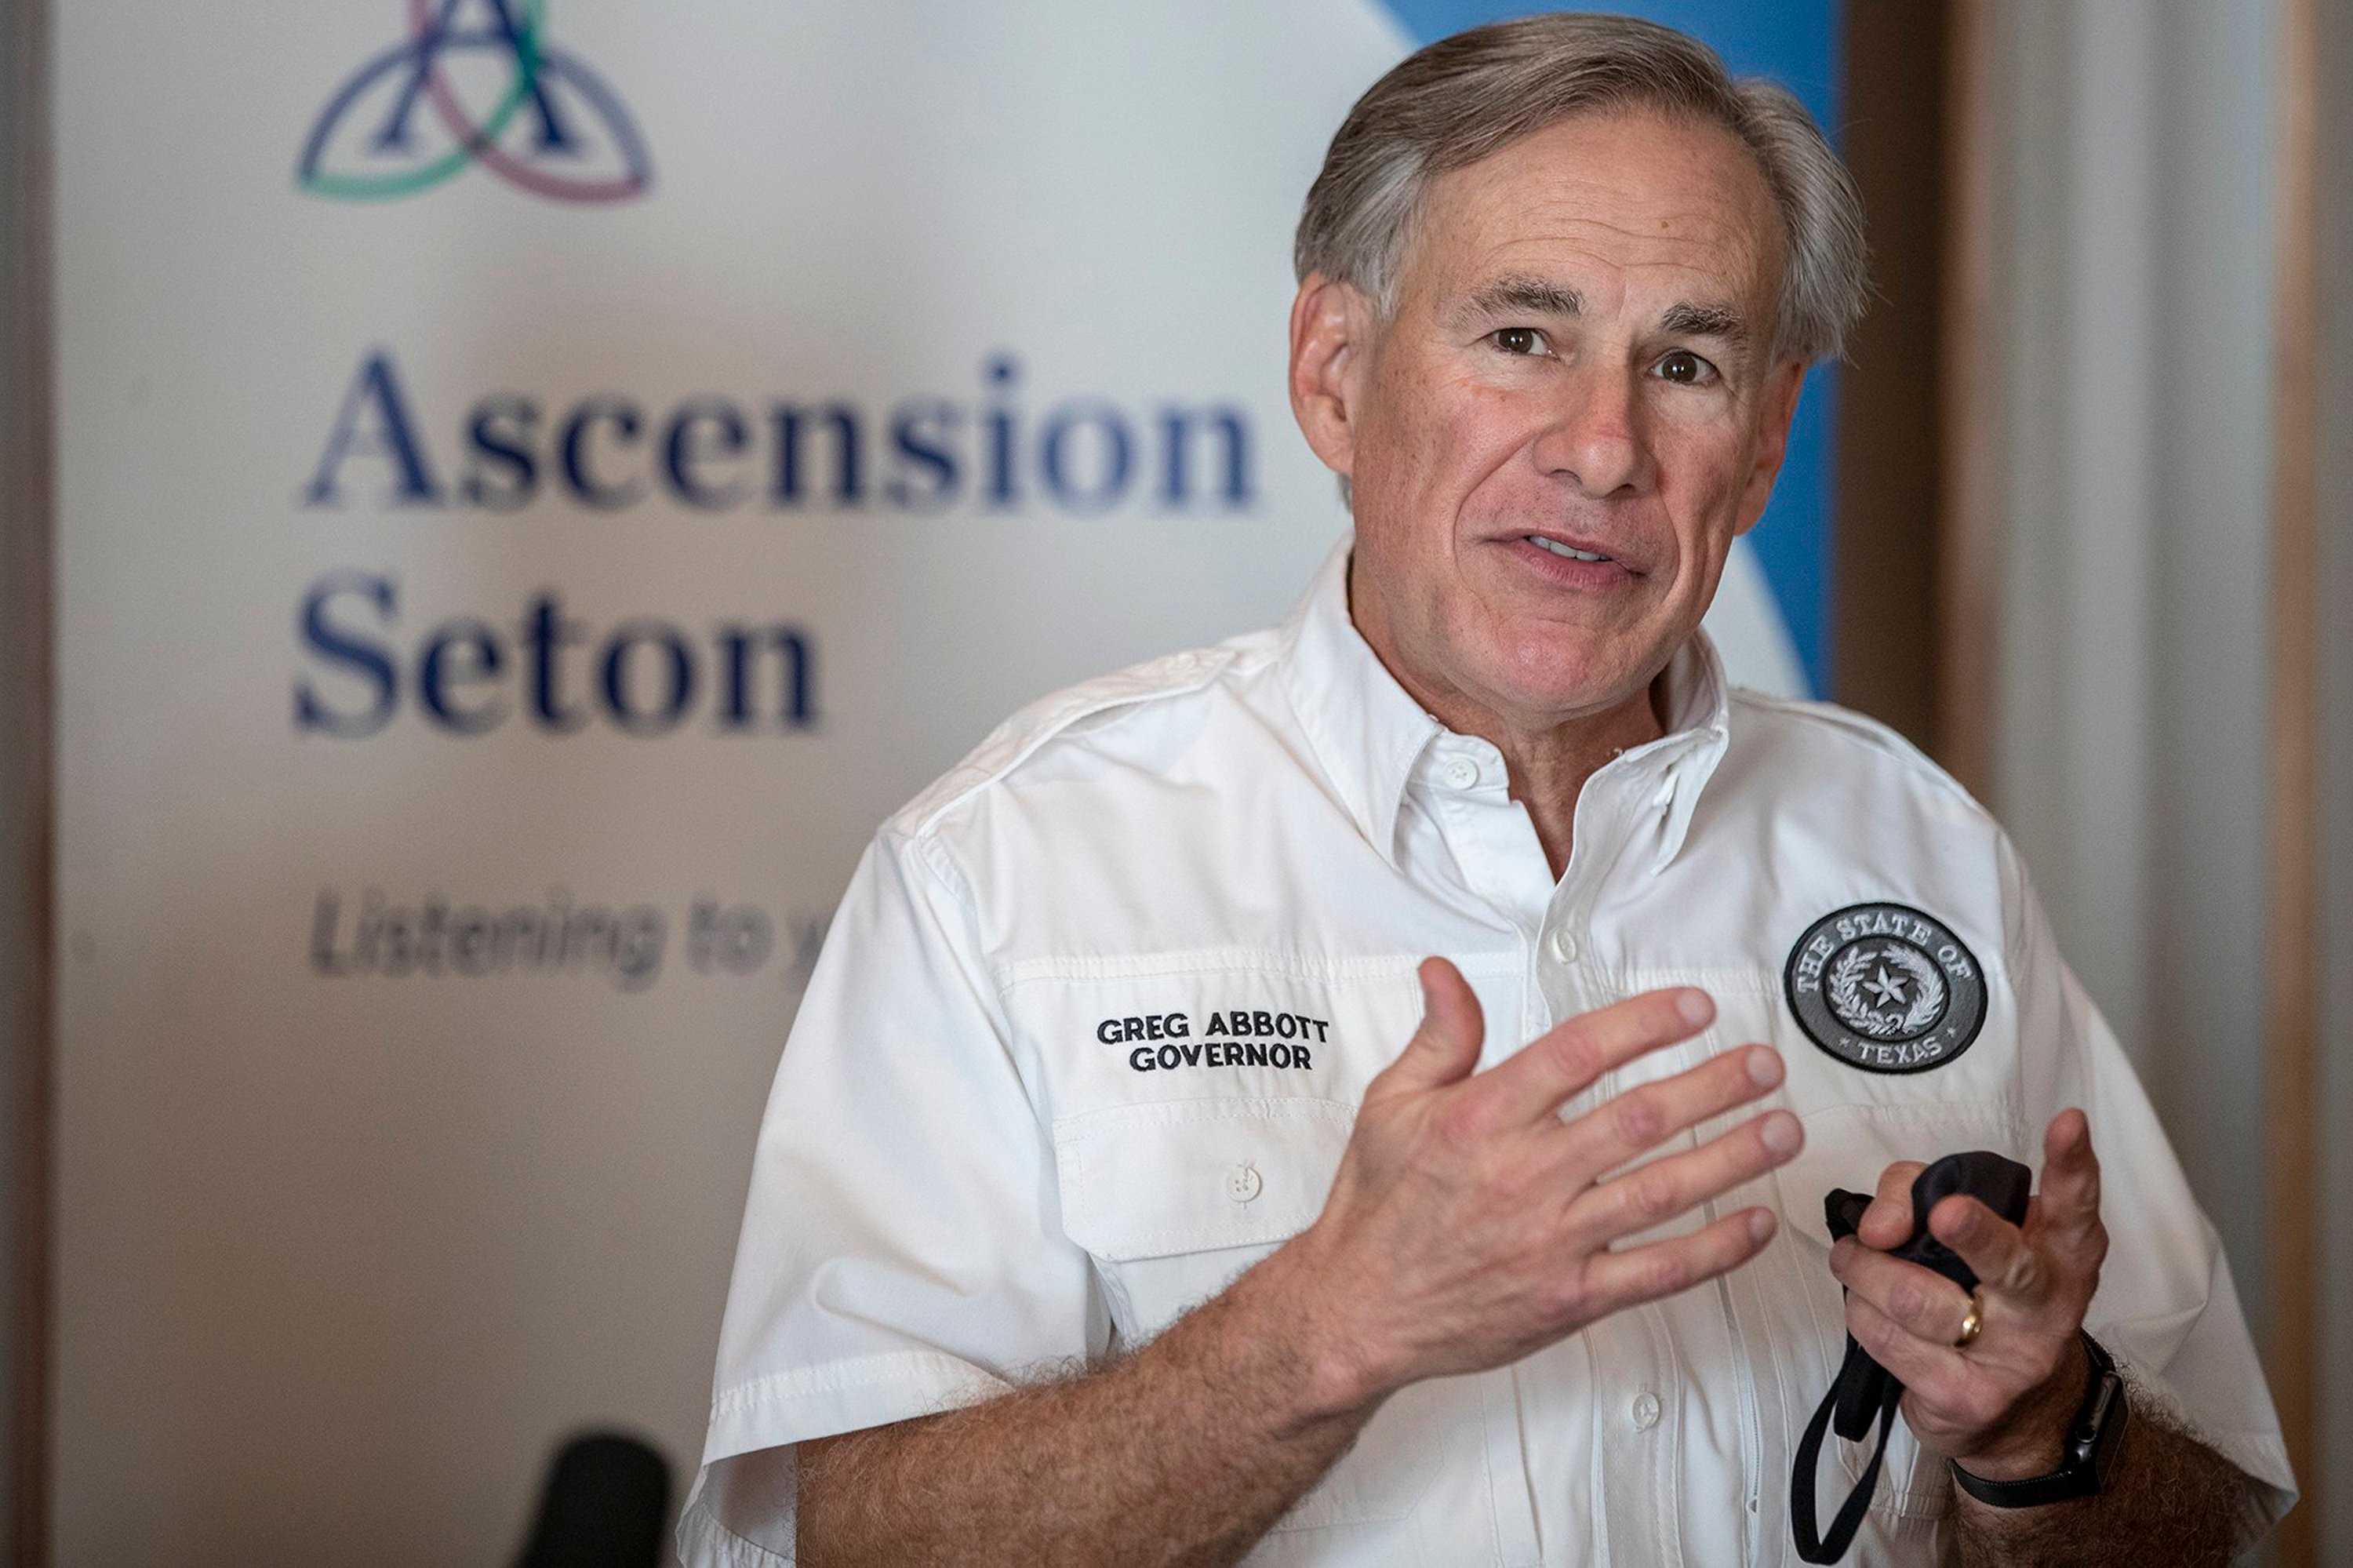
[
  {"x": 1177, "y": 1199},
  {"x": 1174, "y": 1199}
]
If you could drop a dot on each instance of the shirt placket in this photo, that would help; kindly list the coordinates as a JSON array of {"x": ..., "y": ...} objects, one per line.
[
  {"x": 1461, "y": 782},
  {"x": 1635, "y": 1402},
  {"x": 1633, "y": 1396}
]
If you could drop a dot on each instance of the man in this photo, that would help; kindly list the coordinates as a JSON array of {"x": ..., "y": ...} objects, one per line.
[{"x": 1134, "y": 1189}]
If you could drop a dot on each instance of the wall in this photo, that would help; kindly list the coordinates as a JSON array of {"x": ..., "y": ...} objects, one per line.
[
  {"x": 1885, "y": 658},
  {"x": 24, "y": 763},
  {"x": 2336, "y": 783},
  {"x": 353, "y": 1227},
  {"x": 2132, "y": 694},
  {"x": 2132, "y": 721}
]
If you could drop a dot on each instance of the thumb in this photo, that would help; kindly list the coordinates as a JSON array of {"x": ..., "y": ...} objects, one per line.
[{"x": 1446, "y": 1047}]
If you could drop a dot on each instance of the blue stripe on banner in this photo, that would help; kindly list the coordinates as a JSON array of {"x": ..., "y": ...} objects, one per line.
[{"x": 1796, "y": 42}]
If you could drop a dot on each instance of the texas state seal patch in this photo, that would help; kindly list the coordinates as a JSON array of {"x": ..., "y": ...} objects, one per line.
[{"x": 1886, "y": 987}]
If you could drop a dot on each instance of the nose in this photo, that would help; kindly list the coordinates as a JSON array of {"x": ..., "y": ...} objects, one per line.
[{"x": 1596, "y": 438}]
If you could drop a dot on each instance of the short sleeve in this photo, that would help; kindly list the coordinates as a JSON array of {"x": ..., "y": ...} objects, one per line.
[
  {"x": 902, "y": 1250},
  {"x": 2166, "y": 1307}
]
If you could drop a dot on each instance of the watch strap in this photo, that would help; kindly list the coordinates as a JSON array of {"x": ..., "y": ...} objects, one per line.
[{"x": 2088, "y": 1450}]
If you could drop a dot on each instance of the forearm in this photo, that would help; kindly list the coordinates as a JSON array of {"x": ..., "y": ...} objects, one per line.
[
  {"x": 1183, "y": 1453},
  {"x": 1467, "y": 1227},
  {"x": 2169, "y": 1500}
]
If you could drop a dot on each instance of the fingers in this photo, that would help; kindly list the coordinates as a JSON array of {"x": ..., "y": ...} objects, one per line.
[
  {"x": 2052, "y": 1264},
  {"x": 1923, "y": 1364},
  {"x": 1919, "y": 1300},
  {"x": 2069, "y": 1214},
  {"x": 1995, "y": 1249},
  {"x": 1445, "y": 1048},
  {"x": 1656, "y": 1193},
  {"x": 1616, "y": 1280},
  {"x": 1644, "y": 1117},
  {"x": 1564, "y": 1062},
  {"x": 1888, "y": 1221}
]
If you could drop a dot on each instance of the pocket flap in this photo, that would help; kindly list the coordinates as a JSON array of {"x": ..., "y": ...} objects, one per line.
[
  {"x": 1849, "y": 1146},
  {"x": 1193, "y": 1175}
]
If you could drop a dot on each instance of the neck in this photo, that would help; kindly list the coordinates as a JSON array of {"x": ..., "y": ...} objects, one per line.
[
  {"x": 1549, "y": 763},
  {"x": 1547, "y": 757},
  {"x": 1548, "y": 770}
]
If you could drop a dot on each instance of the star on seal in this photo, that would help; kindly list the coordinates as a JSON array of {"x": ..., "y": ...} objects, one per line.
[{"x": 1886, "y": 987}]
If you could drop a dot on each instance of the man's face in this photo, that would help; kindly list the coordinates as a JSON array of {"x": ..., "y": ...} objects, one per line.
[{"x": 1553, "y": 439}]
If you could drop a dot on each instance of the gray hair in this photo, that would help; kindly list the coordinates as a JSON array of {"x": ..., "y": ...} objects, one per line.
[{"x": 1463, "y": 97}]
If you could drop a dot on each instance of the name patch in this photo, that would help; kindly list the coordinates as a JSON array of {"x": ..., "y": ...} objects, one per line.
[
  {"x": 1886, "y": 987},
  {"x": 1230, "y": 1037}
]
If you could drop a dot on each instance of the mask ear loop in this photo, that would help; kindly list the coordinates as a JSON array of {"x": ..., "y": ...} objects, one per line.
[
  {"x": 2001, "y": 1185},
  {"x": 1812, "y": 1546}
]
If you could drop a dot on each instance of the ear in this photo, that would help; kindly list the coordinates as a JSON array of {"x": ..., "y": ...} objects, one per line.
[
  {"x": 1330, "y": 336},
  {"x": 1778, "y": 408}
]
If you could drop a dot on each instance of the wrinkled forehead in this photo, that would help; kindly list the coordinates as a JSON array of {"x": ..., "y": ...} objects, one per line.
[{"x": 1626, "y": 207}]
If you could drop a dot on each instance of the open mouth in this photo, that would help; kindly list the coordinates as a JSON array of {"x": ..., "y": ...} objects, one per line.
[{"x": 1566, "y": 551}]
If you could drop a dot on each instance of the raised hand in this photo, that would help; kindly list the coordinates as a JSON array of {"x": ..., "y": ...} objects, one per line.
[
  {"x": 1469, "y": 1225},
  {"x": 2001, "y": 1404}
]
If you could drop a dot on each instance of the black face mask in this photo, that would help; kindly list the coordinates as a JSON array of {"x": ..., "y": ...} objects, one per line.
[{"x": 1865, "y": 1388}]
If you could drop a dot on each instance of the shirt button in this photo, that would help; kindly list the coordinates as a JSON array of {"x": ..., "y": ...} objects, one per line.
[
  {"x": 1460, "y": 772},
  {"x": 1563, "y": 945},
  {"x": 1645, "y": 1412},
  {"x": 1242, "y": 1184}
]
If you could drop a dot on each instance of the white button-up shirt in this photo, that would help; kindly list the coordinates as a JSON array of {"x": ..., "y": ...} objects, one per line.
[{"x": 1090, "y": 1028}]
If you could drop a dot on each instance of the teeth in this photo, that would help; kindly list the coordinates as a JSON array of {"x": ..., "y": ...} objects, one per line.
[{"x": 1558, "y": 548}]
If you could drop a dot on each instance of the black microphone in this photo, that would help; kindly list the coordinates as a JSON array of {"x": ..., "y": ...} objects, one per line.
[
  {"x": 605, "y": 1501},
  {"x": 1864, "y": 1390}
]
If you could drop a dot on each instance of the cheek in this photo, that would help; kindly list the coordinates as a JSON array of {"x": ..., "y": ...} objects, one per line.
[
  {"x": 1434, "y": 435},
  {"x": 1701, "y": 477}
]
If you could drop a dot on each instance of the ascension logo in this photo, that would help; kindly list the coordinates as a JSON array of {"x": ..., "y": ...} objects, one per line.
[{"x": 476, "y": 82}]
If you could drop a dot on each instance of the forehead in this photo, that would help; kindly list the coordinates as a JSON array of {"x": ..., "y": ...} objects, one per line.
[{"x": 1652, "y": 200}]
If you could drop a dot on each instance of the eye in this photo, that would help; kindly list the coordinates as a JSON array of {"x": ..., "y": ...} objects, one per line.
[
  {"x": 1518, "y": 340},
  {"x": 1686, "y": 368}
]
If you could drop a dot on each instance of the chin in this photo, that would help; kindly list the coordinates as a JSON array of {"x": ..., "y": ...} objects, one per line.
[{"x": 1550, "y": 674}]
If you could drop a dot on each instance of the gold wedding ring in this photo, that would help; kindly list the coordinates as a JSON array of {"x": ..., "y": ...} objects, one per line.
[{"x": 1972, "y": 1323}]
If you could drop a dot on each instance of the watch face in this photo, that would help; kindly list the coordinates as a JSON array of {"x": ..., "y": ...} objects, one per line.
[{"x": 2100, "y": 1427}]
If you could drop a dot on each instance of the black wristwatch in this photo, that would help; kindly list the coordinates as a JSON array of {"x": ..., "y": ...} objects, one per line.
[{"x": 2092, "y": 1439}]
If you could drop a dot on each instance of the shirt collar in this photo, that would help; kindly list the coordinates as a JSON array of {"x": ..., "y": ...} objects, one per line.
[
  {"x": 1699, "y": 713},
  {"x": 1368, "y": 733},
  {"x": 1365, "y": 730}
]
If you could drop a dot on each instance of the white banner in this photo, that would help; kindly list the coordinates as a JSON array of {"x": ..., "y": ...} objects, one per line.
[{"x": 539, "y": 484}]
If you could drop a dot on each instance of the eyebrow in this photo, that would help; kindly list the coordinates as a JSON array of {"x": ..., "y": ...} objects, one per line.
[
  {"x": 1688, "y": 320},
  {"x": 1517, "y": 295},
  {"x": 1534, "y": 296}
]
